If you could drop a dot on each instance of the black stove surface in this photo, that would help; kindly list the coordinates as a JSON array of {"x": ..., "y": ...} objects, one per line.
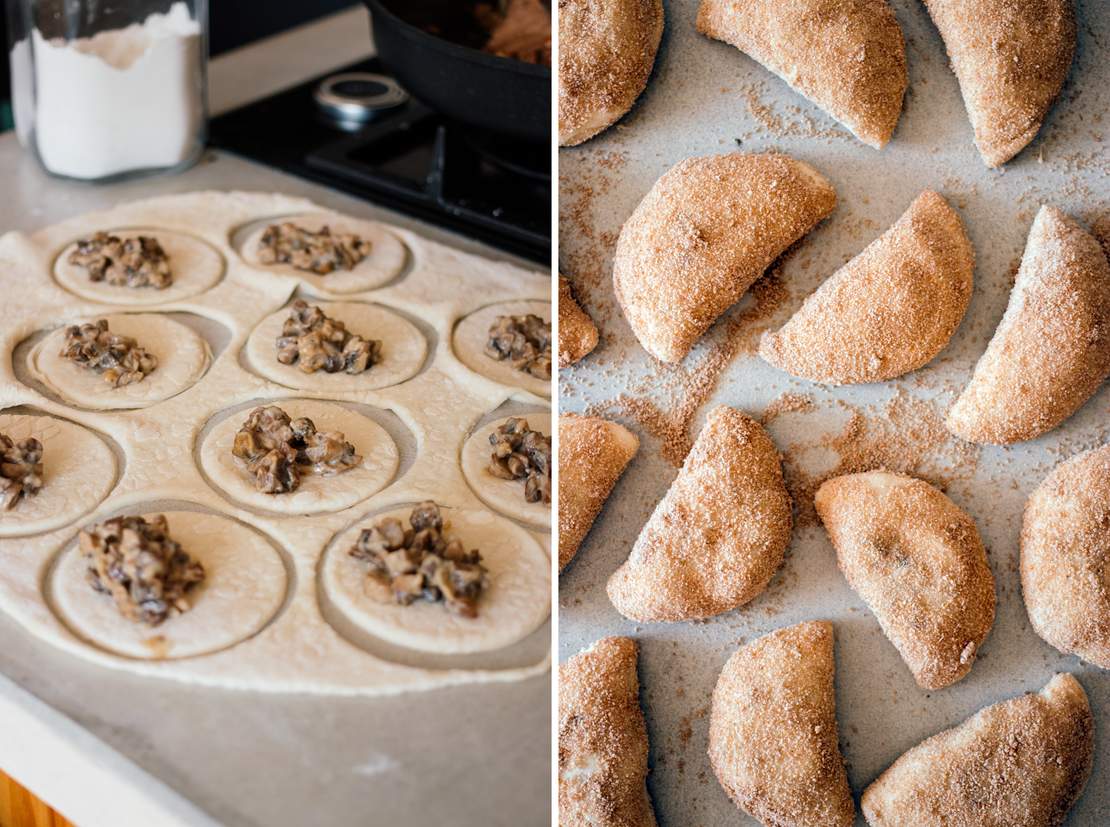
[{"x": 409, "y": 159}]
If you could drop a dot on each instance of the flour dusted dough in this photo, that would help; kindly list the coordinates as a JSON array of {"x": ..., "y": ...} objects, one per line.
[
  {"x": 183, "y": 356},
  {"x": 385, "y": 262},
  {"x": 316, "y": 493},
  {"x": 506, "y": 496},
  {"x": 471, "y": 336},
  {"x": 244, "y": 585},
  {"x": 79, "y": 470},
  {"x": 515, "y": 604},
  {"x": 195, "y": 266},
  {"x": 404, "y": 349}
]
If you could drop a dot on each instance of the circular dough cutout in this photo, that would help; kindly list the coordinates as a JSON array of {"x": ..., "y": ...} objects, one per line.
[
  {"x": 504, "y": 496},
  {"x": 196, "y": 267},
  {"x": 515, "y": 604},
  {"x": 404, "y": 349},
  {"x": 183, "y": 356},
  {"x": 245, "y": 584},
  {"x": 79, "y": 469},
  {"x": 385, "y": 262},
  {"x": 316, "y": 493},
  {"x": 472, "y": 333}
]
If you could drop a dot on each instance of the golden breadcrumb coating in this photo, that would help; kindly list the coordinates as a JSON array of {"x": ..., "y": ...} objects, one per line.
[{"x": 577, "y": 332}]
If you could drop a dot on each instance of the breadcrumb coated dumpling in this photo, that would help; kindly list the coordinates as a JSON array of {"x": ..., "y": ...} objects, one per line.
[{"x": 577, "y": 331}]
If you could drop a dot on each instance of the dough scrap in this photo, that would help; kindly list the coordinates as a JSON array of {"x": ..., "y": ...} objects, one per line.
[
  {"x": 603, "y": 742},
  {"x": 577, "y": 331},
  {"x": 889, "y": 310},
  {"x": 916, "y": 559},
  {"x": 1051, "y": 351},
  {"x": 718, "y": 535},
  {"x": 773, "y": 732},
  {"x": 701, "y": 237},
  {"x": 1018, "y": 763},
  {"x": 515, "y": 604},
  {"x": 847, "y": 56},
  {"x": 472, "y": 333},
  {"x": 503, "y": 496}
]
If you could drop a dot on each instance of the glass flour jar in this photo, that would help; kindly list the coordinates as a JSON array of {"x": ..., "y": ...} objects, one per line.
[{"x": 102, "y": 90}]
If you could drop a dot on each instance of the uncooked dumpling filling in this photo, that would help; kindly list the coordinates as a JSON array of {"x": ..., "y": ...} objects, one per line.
[
  {"x": 519, "y": 453},
  {"x": 313, "y": 341},
  {"x": 525, "y": 341},
  {"x": 320, "y": 252},
  {"x": 136, "y": 563},
  {"x": 119, "y": 359},
  {"x": 133, "y": 261},
  {"x": 20, "y": 469},
  {"x": 422, "y": 562},
  {"x": 277, "y": 450}
]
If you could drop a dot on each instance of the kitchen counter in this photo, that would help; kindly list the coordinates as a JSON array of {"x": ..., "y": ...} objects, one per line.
[{"x": 106, "y": 747}]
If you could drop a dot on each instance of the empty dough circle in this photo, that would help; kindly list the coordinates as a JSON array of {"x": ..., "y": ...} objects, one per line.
[
  {"x": 404, "y": 349},
  {"x": 196, "y": 266},
  {"x": 183, "y": 356},
  {"x": 78, "y": 471},
  {"x": 244, "y": 585},
  {"x": 385, "y": 262},
  {"x": 516, "y": 603},
  {"x": 504, "y": 496},
  {"x": 472, "y": 333},
  {"x": 316, "y": 493}
]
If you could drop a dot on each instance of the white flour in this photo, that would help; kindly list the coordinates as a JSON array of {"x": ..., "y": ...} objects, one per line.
[{"x": 121, "y": 100}]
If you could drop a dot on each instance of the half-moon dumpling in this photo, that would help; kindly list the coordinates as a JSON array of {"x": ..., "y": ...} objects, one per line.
[
  {"x": 773, "y": 732},
  {"x": 702, "y": 236},
  {"x": 1051, "y": 350},
  {"x": 577, "y": 331},
  {"x": 593, "y": 453},
  {"x": 1011, "y": 59},
  {"x": 889, "y": 310},
  {"x": 847, "y": 56},
  {"x": 717, "y": 536},
  {"x": 1019, "y": 763},
  {"x": 603, "y": 743},
  {"x": 1065, "y": 557},
  {"x": 916, "y": 559}
]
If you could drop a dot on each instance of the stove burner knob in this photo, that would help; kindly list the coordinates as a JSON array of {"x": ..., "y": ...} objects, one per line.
[{"x": 355, "y": 98}]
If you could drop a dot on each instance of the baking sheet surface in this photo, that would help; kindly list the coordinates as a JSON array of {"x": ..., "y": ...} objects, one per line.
[{"x": 704, "y": 98}]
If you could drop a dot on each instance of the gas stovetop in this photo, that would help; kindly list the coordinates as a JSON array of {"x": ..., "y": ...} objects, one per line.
[{"x": 356, "y": 130}]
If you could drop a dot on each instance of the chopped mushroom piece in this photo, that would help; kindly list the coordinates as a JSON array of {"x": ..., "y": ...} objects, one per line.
[
  {"x": 133, "y": 261},
  {"x": 277, "y": 450},
  {"x": 524, "y": 340},
  {"x": 313, "y": 342},
  {"x": 519, "y": 453},
  {"x": 422, "y": 561},
  {"x": 134, "y": 561},
  {"x": 321, "y": 252},
  {"x": 118, "y": 358},
  {"x": 20, "y": 469}
]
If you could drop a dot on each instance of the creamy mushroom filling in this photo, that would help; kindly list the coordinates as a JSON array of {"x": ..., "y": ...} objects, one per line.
[
  {"x": 422, "y": 562},
  {"x": 119, "y": 359},
  {"x": 276, "y": 450},
  {"x": 135, "y": 562},
  {"x": 133, "y": 261},
  {"x": 20, "y": 469},
  {"x": 321, "y": 252},
  {"x": 519, "y": 453},
  {"x": 313, "y": 341},
  {"x": 525, "y": 341}
]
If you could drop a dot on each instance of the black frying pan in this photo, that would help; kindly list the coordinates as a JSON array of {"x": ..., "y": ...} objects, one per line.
[{"x": 460, "y": 81}]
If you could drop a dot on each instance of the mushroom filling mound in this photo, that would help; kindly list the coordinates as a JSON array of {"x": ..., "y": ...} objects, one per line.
[
  {"x": 519, "y": 453},
  {"x": 315, "y": 342},
  {"x": 118, "y": 358},
  {"x": 137, "y": 261},
  {"x": 134, "y": 561},
  {"x": 422, "y": 561},
  {"x": 319, "y": 253},
  {"x": 524, "y": 340},
  {"x": 20, "y": 469},
  {"x": 276, "y": 450}
]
